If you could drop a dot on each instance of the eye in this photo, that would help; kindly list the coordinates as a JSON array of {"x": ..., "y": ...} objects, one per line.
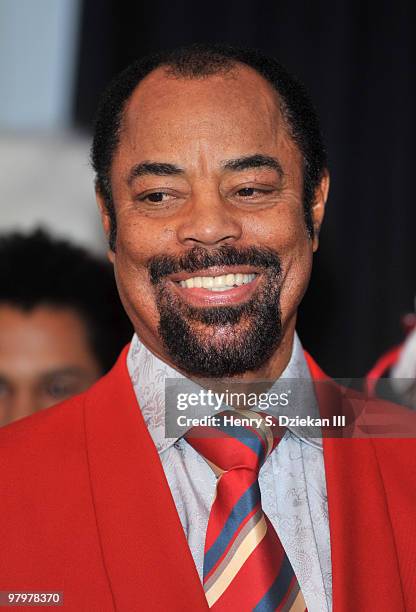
[
  {"x": 154, "y": 198},
  {"x": 247, "y": 191},
  {"x": 252, "y": 192},
  {"x": 60, "y": 388}
]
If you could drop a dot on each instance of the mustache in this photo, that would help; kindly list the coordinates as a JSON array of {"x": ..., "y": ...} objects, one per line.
[{"x": 198, "y": 258}]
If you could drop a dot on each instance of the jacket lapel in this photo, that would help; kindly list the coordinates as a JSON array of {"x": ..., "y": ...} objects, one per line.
[
  {"x": 145, "y": 552},
  {"x": 365, "y": 568}
]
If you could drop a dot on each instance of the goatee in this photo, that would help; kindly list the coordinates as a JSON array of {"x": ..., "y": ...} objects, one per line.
[{"x": 219, "y": 341}]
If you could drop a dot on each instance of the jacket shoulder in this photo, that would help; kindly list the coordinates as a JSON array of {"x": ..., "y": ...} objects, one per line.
[{"x": 43, "y": 435}]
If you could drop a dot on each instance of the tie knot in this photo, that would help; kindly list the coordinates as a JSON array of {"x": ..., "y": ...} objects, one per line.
[{"x": 236, "y": 439}]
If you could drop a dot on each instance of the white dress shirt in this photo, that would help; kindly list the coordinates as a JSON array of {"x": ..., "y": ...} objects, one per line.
[{"x": 292, "y": 480}]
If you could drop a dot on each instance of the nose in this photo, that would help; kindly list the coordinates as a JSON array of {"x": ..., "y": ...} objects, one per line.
[{"x": 209, "y": 221}]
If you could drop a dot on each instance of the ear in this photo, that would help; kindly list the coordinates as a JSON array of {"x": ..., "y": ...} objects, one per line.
[
  {"x": 105, "y": 221},
  {"x": 318, "y": 208}
]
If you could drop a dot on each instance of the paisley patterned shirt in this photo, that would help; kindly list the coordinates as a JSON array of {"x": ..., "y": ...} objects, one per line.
[{"x": 292, "y": 480}]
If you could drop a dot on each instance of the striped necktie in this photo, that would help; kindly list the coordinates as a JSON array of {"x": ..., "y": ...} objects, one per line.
[{"x": 245, "y": 565}]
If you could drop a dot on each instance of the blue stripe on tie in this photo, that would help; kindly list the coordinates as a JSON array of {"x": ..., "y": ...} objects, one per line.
[
  {"x": 247, "y": 437},
  {"x": 278, "y": 590},
  {"x": 242, "y": 508}
]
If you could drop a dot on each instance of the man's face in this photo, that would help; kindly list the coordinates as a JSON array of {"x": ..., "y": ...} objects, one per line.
[
  {"x": 212, "y": 253},
  {"x": 45, "y": 358}
]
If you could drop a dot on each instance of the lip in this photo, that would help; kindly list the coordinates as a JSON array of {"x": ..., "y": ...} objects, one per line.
[{"x": 201, "y": 297}]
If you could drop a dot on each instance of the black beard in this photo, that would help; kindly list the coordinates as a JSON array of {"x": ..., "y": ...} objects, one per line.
[{"x": 225, "y": 350}]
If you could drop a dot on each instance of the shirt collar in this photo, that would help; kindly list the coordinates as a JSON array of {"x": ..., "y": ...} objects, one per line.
[{"x": 148, "y": 374}]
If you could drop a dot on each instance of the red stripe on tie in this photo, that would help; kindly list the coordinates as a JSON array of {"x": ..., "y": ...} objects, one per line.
[
  {"x": 229, "y": 491},
  {"x": 252, "y": 582}
]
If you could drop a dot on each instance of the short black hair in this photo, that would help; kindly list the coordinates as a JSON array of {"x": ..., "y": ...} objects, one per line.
[
  {"x": 198, "y": 61},
  {"x": 38, "y": 270}
]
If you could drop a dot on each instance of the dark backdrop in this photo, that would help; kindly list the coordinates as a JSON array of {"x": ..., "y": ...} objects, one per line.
[{"x": 358, "y": 61}]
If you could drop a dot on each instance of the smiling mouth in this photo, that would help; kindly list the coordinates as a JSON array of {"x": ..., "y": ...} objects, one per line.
[{"x": 223, "y": 282}]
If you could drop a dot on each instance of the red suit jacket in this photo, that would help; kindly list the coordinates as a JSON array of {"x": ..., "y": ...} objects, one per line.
[{"x": 85, "y": 509}]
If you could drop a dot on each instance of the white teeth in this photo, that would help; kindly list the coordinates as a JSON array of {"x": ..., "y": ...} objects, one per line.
[
  {"x": 207, "y": 281},
  {"x": 218, "y": 283}
]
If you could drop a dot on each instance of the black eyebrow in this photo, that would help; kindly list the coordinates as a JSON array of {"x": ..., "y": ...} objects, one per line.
[
  {"x": 253, "y": 161},
  {"x": 239, "y": 164},
  {"x": 155, "y": 168},
  {"x": 65, "y": 371}
]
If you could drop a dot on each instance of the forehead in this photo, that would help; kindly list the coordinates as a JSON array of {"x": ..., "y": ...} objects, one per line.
[
  {"x": 234, "y": 110},
  {"x": 39, "y": 332}
]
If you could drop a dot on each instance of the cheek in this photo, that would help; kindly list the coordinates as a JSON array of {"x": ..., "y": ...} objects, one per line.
[
  {"x": 282, "y": 228},
  {"x": 132, "y": 253},
  {"x": 297, "y": 265},
  {"x": 138, "y": 239},
  {"x": 285, "y": 232},
  {"x": 140, "y": 236}
]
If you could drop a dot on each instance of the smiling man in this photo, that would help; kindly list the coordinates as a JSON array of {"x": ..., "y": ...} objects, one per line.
[
  {"x": 211, "y": 180},
  {"x": 210, "y": 215}
]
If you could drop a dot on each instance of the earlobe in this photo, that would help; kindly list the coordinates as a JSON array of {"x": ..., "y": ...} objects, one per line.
[{"x": 318, "y": 208}]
